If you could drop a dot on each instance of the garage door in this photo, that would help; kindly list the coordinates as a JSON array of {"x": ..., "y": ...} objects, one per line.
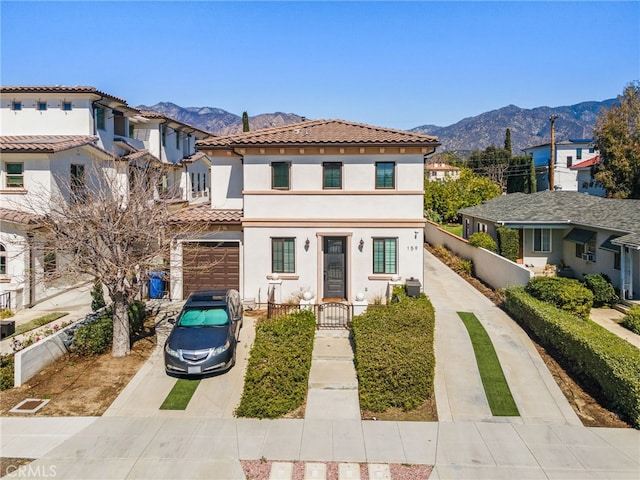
[{"x": 209, "y": 265}]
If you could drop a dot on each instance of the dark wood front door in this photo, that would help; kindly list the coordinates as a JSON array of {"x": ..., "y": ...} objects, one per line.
[{"x": 334, "y": 267}]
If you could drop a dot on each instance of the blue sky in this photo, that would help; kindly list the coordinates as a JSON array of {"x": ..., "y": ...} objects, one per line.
[{"x": 393, "y": 64}]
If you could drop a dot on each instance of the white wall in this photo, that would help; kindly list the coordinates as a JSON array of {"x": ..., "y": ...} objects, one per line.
[
  {"x": 53, "y": 121},
  {"x": 227, "y": 183}
]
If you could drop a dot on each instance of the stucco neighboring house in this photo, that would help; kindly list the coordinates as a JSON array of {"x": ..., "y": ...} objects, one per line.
[
  {"x": 439, "y": 172},
  {"x": 53, "y": 136},
  {"x": 567, "y": 154},
  {"x": 586, "y": 233},
  {"x": 586, "y": 182},
  {"x": 329, "y": 207}
]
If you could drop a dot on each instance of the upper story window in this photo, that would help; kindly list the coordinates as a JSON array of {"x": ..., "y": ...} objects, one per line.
[
  {"x": 283, "y": 255},
  {"x": 17, "y": 106},
  {"x": 177, "y": 140},
  {"x": 385, "y": 174},
  {"x": 3, "y": 260},
  {"x": 42, "y": 106},
  {"x": 280, "y": 175},
  {"x": 569, "y": 161},
  {"x": 100, "y": 118},
  {"x": 15, "y": 175},
  {"x": 578, "y": 154},
  {"x": 592, "y": 150},
  {"x": 332, "y": 175},
  {"x": 163, "y": 134},
  {"x": 385, "y": 255},
  {"x": 541, "y": 240},
  {"x": 119, "y": 124},
  {"x": 66, "y": 106},
  {"x": 185, "y": 145}
]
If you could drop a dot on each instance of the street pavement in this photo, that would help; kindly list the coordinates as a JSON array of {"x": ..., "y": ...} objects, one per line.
[{"x": 134, "y": 440}]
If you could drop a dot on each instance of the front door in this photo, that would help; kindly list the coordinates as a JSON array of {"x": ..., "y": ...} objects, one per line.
[{"x": 334, "y": 267}]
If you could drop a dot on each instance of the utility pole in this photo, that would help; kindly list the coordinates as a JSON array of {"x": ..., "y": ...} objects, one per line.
[{"x": 552, "y": 156}]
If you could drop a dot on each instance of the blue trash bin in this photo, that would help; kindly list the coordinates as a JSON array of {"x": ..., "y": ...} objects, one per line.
[{"x": 156, "y": 284}]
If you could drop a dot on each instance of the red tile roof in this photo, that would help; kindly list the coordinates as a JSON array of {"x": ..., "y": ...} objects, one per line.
[
  {"x": 162, "y": 116},
  {"x": 196, "y": 156},
  {"x": 140, "y": 154},
  {"x": 322, "y": 132},
  {"x": 586, "y": 164},
  {"x": 204, "y": 213},
  {"x": 14, "y": 216},
  {"x": 58, "y": 89},
  {"x": 46, "y": 143}
]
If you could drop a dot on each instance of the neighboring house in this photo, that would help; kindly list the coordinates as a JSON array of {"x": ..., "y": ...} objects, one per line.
[
  {"x": 440, "y": 172},
  {"x": 56, "y": 135},
  {"x": 586, "y": 233},
  {"x": 567, "y": 154},
  {"x": 586, "y": 182},
  {"x": 326, "y": 206}
]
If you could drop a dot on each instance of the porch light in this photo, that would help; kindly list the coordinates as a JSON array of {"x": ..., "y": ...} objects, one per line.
[
  {"x": 306, "y": 245},
  {"x": 361, "y": 244}
]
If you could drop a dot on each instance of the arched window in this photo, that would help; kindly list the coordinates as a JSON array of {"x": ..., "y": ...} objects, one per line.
[{"x": 3, "y": 260}]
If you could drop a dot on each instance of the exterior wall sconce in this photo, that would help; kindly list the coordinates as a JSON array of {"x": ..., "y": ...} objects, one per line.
[
  {"x": 306, "y": 245},
  {"x": 361, "y": 245}
]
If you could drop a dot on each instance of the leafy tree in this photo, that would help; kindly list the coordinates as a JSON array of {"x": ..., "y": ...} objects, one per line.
[
  {"x": 492, "y": 162},
  {"x": 446, "y": 198},
  {"x": 617, "y": 138},
  {"x": 519, "y": 175},
  {"x": 245, "y": 122}
]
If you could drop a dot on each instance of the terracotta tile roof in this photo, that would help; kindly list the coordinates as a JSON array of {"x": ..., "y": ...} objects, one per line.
[
  {"x": 46, "y": 143},
  {"x": 441, "y": 167},
  {"x": 586, "y": 164},
  {"x": 204, "y": 213},
  {"x": 162, "y": 116},
  {"x": 14, "y": 216},
  {"x": 195, "y": 157},
  {"x": 322, "y": 132},
  {"x": 140, "y": 154},
  {"x": 58, "y": 89}
]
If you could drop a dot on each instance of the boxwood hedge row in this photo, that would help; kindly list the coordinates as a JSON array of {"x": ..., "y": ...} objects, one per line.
[
  {"x": 594, "y": 352},
  {"x": 278, "y": 370},
  {"x": 566, "y": 293},
  {"x": 394, "y": 354}
]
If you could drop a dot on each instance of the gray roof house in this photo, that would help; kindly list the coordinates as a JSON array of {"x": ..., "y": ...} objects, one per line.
[{"x": 578, "y": 232}]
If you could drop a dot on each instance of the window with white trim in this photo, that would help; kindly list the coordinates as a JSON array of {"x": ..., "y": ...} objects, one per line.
[
  {"x": 16, "y": 106},
  {"x": 15, "y": 175},
  {"x": 280, "y": 178},
  {"x": 42, "y": 106},
  {"x": 385, "y": 255},
  {"x": 283, "y": 255},
  {"x": 542, "y": 240}
]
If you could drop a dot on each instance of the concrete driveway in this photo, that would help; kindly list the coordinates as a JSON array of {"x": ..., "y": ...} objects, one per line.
[{"x": 216, "y": 396}]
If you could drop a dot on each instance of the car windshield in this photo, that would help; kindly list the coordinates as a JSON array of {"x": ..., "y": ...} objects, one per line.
[{"x": 203, "y": 317}]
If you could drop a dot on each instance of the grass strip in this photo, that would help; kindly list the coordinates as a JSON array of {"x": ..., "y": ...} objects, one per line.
[
  {"x": 38, "y": 322},
  {"x": 495, "y": 384},
  {"x": 180, "y": 395}
]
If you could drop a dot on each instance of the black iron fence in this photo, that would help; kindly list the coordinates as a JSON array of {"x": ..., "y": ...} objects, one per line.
[{"x": 5, "y": 301}]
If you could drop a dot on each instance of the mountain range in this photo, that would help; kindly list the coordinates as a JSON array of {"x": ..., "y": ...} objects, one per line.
[{"x": 529, "y": 127}]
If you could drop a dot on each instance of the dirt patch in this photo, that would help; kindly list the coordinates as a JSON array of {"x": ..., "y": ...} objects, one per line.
[
  {"x": 11, "y": 466},
  {"x": 82, "y": 386},
  {"x": 426, "y": 412},
  {"x": 583, "y": 397}
]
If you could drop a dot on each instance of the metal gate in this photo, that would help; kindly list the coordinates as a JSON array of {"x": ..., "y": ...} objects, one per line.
[{"x": 334, "y": 315}]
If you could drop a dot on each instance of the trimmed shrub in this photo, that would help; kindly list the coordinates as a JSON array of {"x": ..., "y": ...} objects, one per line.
[
  {"x": 565, "y": 293},
  {"x": 632, "y": 319},
  {"x": 6, "y": 372},
  {"x": 94, "y": 337},
  {"x": 394, "y": 354},
  {"x": 7, "y": 313},
  {"x": 97, "y": 296},
  {"x": 592, "y": 351},
  {"x": 483, "y": 240},
  {"x": 603, "y": 291},
  {"x": 137, "y": 313},
  {"x": 277, "y": 375},
  {"x": 508, "y": 243}
]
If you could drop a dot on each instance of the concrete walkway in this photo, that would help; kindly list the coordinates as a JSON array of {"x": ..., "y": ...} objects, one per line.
[
  {"x": 459, "y": 392},
  {"x": 608, "y": 318}
]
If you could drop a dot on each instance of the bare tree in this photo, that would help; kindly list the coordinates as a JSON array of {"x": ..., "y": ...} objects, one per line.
[{"x": 109, "y": 223}]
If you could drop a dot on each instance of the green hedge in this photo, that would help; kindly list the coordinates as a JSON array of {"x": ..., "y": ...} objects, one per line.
[
  {"x": 394, "y": 354},
  {"x": 592, "y": 351},
  {"x": 484, "y": 240},
  {"x": 96, "y": 336},
  {"x": 565, "y": 293},
  {"x": 604, "y": 294},
  {"x": 631, "y": 320},
  {"x": 277, "y": 375},
  {"x": 508, "y": 243},
  {"x": 6, "y": 372}
]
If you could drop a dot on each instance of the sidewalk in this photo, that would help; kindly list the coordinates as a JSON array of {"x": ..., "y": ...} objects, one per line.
[{"x": 606, "y": 317}]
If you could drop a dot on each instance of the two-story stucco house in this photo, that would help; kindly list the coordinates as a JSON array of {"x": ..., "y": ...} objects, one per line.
[
  {"x": 328, "y": 207},
  {"x": 439, "y": 172},
  {"x": 52, "y": 136},
  {"x": 567, "y": 154},
  {"x": 584, "y": 233}
]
